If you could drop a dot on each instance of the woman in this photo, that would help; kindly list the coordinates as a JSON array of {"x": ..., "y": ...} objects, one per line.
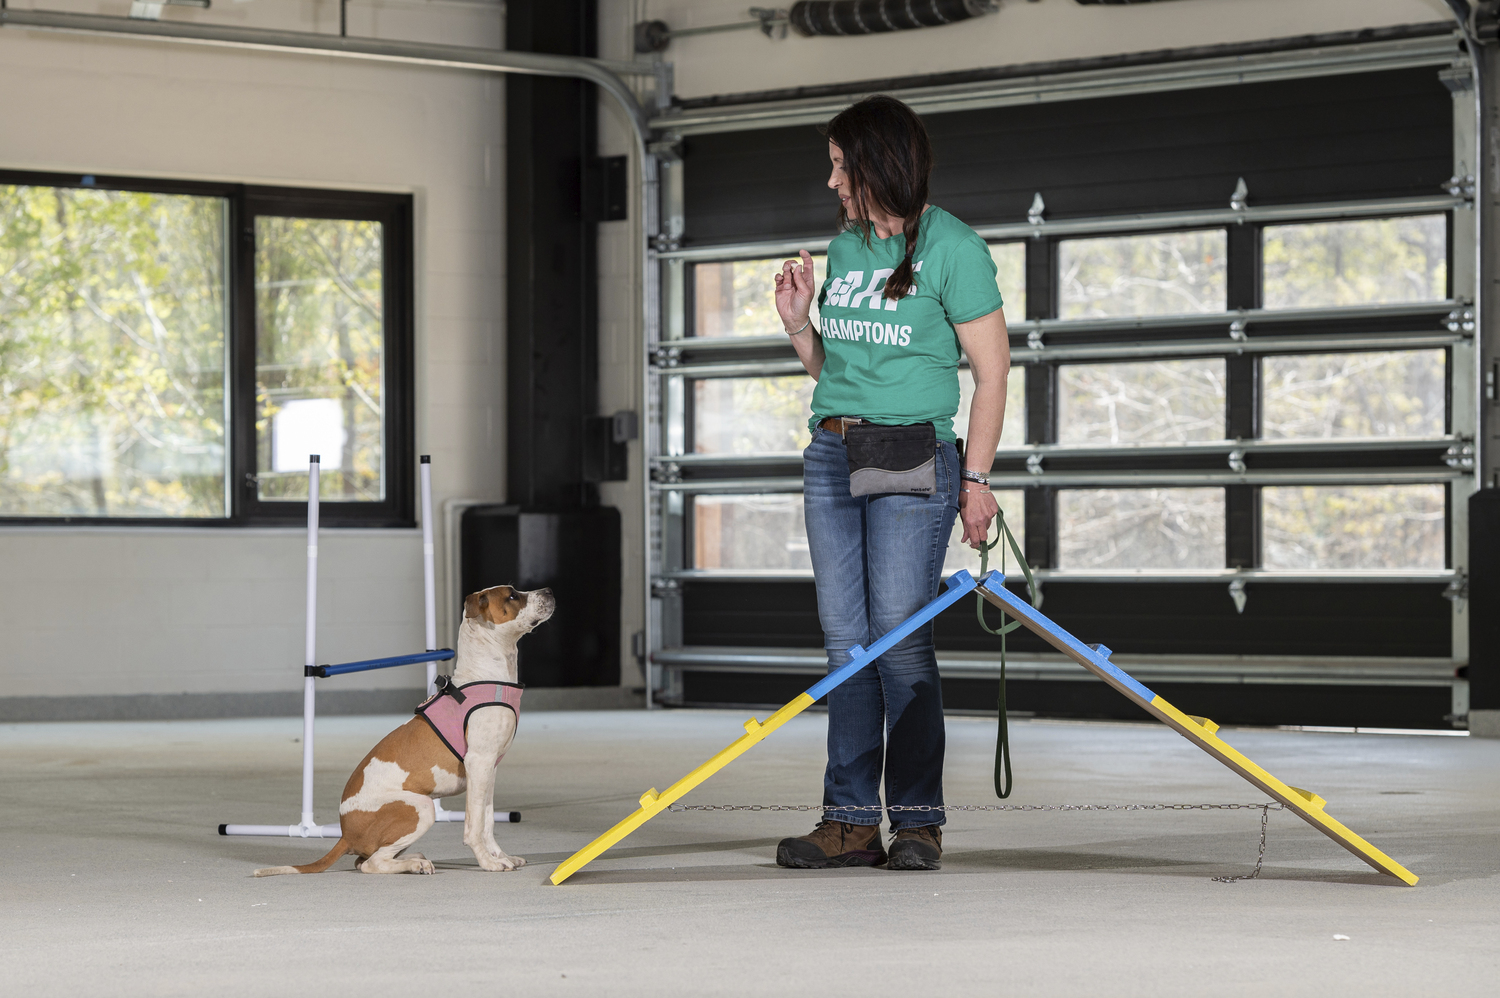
[{"x": 907, "y": 285}]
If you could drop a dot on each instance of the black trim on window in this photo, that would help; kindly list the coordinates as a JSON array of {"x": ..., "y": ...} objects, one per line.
[{"x": 244, "y": 204}]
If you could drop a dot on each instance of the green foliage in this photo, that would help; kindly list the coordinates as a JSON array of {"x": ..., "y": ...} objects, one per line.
[
  {"x": 1392, "y": 394},
  {"x": 1145, "y": 402},
  {"x": 752, "y": 415},
  {"x": 112, "y": 350},
  {"x": 1353, "y": 526},
  {"x": 1167, "y": 273},
  {"x": 1010, "y": 278},
  {"x": 1364, "y": 262},
  {"x": 1140, "y": 528},
  {"x": 739, "y": 298},
  {"x": 320, "y": 334},
  {"x": 750, "y": 532}
]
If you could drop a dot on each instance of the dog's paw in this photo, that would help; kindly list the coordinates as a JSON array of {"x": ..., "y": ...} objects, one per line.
[
  {"x": 423, "y": 865},
  {"x": 497, "y": 864}
]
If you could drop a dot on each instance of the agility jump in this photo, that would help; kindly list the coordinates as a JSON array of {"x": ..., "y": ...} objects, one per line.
[
  {"x": 308, "y": 827},
  {"x": 1199, "y": 730}
]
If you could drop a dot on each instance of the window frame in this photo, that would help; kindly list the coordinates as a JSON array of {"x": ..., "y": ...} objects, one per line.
[{"x": 243, "y": 203}]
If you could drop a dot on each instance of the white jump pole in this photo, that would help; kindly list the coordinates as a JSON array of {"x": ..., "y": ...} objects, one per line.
[
  {"x": 309, "y": 692},
  {"x": 429, "y": 575},
  {"x": 430, "y": 595},
  {"x": 308, "y": 828}
]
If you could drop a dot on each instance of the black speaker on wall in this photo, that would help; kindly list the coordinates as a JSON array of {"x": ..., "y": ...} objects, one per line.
[{"x": 575, "y": 553}]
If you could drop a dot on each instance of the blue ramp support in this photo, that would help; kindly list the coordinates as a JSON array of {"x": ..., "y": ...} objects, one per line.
[{"x": 1198, "y": 730}]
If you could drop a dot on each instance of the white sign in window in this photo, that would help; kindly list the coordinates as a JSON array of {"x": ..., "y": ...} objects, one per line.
[{"x": 308, "y": 426}]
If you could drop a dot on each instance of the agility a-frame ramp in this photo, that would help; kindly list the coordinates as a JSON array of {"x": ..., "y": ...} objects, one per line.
[{"x": 1095, "y": 658}]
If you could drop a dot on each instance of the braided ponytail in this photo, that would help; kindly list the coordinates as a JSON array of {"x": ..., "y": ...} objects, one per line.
[{"x": 899, "y": 284}]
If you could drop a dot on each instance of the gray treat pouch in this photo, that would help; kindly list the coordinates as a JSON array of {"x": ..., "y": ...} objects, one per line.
[{"x": 891, "y": 459}]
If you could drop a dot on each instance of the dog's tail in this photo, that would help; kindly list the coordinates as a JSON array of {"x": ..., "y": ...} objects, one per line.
[{"x": 318, "y": 867}]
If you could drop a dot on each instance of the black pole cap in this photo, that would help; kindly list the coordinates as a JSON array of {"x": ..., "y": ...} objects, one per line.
[
  {"x": 426, "y": 459},
  {"x": 313, "y": 459}
]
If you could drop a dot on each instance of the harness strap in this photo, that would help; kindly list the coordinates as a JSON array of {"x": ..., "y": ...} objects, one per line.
[{"x": 445, "y": 687}]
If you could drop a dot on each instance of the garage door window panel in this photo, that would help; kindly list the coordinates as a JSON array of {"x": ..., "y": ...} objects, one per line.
[
  {"x": 1380, "y": 261},
  {"x": 738, "y": 297},
  {"x": 1386, "y": 394},
  {"x": 1145, "y": 402},
  {"x": 1166, "y": 528},
  {"x": 752, "y": 415},
  {"x": 1389, "y": 527},
  {"x": 750, "y": 532},
  {"x": 1165, "y": 273}
]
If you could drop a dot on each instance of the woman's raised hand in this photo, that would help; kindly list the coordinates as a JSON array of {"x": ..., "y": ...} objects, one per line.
[{"x": 794, "y": 292}]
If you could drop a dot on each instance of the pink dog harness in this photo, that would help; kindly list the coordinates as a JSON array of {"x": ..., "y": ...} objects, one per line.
[{"x": 448, "y": 710}]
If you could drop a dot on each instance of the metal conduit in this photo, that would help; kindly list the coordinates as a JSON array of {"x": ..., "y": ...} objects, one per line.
[
  {"x": 310, "y": 43},
  {"x": 418, "y": 54}
]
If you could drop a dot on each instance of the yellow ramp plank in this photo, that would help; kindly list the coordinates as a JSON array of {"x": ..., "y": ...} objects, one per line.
[
  {"x": 1201, "y": 731},
  {"x": 653, "y": 803}
]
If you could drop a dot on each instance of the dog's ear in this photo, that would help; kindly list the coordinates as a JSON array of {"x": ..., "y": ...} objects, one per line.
[{"x": 474, "y": 603}]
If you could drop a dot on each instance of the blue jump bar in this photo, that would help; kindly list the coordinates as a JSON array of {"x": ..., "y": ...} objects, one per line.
[
  {"x": 324, "y": 671},
  {"x": 959, "y": 583}
]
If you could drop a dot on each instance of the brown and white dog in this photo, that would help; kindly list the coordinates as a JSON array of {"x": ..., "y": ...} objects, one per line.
[{"x": 387, "y": 803}]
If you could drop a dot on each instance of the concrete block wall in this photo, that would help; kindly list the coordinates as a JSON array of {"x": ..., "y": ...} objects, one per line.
[{"x": 195, "y": 621}]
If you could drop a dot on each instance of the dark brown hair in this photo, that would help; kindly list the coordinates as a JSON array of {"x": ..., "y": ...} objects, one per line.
[{"x": 888, "y": 158}]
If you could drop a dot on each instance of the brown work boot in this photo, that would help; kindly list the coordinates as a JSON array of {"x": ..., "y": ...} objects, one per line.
[
  {"x": 919, "y": 848},
  {"x": 832, "y": 843}
]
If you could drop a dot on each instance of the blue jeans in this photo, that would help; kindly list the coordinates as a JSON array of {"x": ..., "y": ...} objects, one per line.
[{"x": 876, "y": 561}]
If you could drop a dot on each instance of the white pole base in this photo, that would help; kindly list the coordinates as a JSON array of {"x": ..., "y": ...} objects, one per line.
[
  {"x": 501, "y": 817},
  {"x": 305, "y": 831},
  {"x": 309, "y": 830}
]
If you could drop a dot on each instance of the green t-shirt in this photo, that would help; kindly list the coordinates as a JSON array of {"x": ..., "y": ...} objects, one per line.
[{"x": 896, "y": 362}]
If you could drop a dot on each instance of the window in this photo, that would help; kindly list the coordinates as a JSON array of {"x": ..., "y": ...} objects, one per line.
[
  {"x": 153, "y": 368},
  {"x": 750, "y": 532},
  {"x": 1395, "y": 394},
  {"x": 1172, "y": 528},
  {"x": 738, "y": 298},
  {"x": 1013, "y": 430},
  {"x": 1353, "y": 526},
  {"x": 113, "y": 335},
  {"x": 319, "y": 357},
  {"x": 1148, "y": 402},
  {"x": 1010, "y": 277},
  {"x": 752, "y": 415},
  {"x": 1365, "y": 262},
  {"x": 960, "y": 555},
  {"x": 1167, "y": 273}
]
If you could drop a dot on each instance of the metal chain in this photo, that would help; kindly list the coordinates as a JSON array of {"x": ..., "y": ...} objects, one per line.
[{"x": 1265, "y": 815}]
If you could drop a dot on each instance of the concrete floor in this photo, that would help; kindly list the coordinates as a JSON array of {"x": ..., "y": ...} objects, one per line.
[{"x": 115, "y": 882}]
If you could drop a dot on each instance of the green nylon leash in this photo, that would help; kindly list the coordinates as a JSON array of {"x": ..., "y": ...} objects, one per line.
[{"x": 1003, "y": 779}]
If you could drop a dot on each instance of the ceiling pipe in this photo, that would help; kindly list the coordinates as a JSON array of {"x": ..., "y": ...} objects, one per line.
[{"x": 311, "y": 43}]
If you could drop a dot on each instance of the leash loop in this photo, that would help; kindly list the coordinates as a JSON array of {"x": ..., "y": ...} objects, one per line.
[{"x": 1004, "y": 781}]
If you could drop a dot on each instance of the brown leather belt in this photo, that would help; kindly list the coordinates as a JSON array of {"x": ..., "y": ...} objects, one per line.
[{"x": 836, "y": 424}]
